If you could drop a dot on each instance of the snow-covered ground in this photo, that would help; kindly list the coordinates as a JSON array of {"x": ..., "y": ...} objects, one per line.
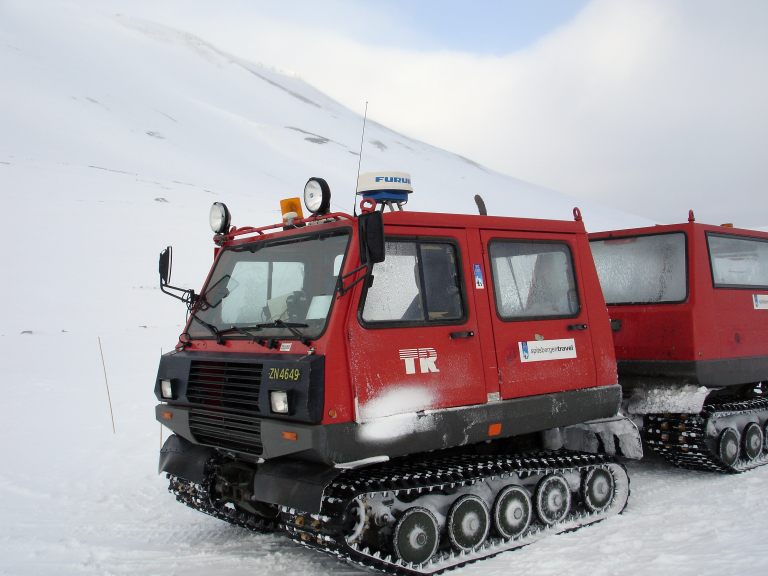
[
  {"x": 115, "y": 137},
  {"x": 77, "y": 499}
]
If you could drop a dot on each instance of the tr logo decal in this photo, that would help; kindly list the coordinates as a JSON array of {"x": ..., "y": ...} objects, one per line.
[{"x": 427, "y": 360}]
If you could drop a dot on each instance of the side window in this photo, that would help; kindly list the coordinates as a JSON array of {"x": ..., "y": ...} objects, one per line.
[
  {"x": 417, "y": 282},
  {"x": 642, "y": 269},
  {"x": 738, "y": 262},
  {"x": 533, "y": 280}
]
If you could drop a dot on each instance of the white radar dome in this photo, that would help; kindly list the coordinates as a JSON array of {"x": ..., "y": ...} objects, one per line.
[{"x": 384, "y": 181}]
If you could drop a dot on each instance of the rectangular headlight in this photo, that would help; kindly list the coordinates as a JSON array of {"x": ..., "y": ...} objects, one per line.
[
  {"x": 166, "y": 388},
  {"x": 278, "y": 401}
]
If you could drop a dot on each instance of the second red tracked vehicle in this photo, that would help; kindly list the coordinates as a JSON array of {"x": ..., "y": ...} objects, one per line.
[{"x": 689, "y": 310}]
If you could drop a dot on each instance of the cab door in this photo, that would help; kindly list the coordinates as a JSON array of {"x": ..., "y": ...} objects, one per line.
[
  {"x": 539, "y": 317},
  {"x": 413, "y": 345}
]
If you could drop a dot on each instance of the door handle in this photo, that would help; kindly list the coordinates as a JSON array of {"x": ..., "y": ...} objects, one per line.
[
  {"x": 467, "y": 334},
  {"x": 577, "y": 326}
]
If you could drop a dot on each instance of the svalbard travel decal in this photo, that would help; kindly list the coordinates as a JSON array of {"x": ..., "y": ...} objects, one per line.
[{"x": 541, "y": 350}]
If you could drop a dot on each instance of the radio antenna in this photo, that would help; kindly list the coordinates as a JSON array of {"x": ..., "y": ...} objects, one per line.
[{"x": 360, "y": 159}]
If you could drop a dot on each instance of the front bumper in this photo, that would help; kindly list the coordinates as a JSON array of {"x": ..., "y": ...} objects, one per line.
[{"x": 391, "y": 436}]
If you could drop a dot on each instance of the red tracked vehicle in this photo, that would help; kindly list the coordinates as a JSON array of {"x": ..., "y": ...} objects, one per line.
[
  {"x": 402, "y": 390},
  {"x": 689, "y": 309}
]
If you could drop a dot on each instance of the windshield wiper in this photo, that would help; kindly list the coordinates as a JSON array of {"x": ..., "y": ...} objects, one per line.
[
  {"x": 210, "y": 327},
  {"x": 282, "y": 324},
  {"x": 271, "y": 342},
  {"x": 249, "y": 331},
  {"x": 244, "y": 330},
  {"x": 292, "y": 328}
]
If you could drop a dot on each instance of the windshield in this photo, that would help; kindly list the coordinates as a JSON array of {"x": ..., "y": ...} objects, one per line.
[
  {"x": 642, "y": 269},
  {"x": 275, "y": 289}
]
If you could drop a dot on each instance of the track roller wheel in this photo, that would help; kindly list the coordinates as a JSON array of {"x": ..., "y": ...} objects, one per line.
[
  {"x": 553, "y": 499},
  {"x": 598, "y": 489},
  {"x": 753, "y": 440},
  {"x": 355, "y": 521},
  {"x": 512, "y": 511},
  {"x": 729, "y": 446},
  {"x": 468, "y": 522},
  {"x": 417, "y": 535},
  {"x": 765, "y": 437}
]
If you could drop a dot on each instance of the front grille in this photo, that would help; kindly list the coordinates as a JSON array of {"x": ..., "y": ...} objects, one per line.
[
  {"x": 225, "y": 430},
  {"x": 233, "y": 385}
]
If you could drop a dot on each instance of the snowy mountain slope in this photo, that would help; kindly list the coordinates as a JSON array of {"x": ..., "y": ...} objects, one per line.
[
  {"x": 115, "y": 137},
  {"x": 118, "y": 134}
]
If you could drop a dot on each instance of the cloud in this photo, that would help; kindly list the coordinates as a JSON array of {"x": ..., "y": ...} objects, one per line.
[{"x": 653, "y": 107}]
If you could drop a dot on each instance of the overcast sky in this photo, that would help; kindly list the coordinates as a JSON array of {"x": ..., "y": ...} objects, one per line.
[{"x": 652, "y": 106}]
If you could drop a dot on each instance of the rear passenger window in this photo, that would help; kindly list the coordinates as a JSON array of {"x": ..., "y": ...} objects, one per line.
[
  {"x": 738, "y": 262},
  {"x": 417, "y": 282},
  {"x": 649, "y": 269},
  {"x": 533, "y": 280}
]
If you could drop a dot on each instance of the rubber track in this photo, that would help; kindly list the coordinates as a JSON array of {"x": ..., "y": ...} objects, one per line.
[
  {"x": 325, "y": 532},
  {"x": 683, "y": 440},
  {"x": 197, "y": 497}
]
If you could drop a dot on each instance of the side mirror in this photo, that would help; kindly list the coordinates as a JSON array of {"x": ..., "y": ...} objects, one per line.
[
  {"x": 370, "y": 228},
  {"x": 166, "y": 263},
  {"x": 166, "y": 259}
]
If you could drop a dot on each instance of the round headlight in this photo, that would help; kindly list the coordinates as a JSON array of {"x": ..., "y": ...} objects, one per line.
[
  {"x": 219, "y": 217},
  {"x": 317, "y": 196}
]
